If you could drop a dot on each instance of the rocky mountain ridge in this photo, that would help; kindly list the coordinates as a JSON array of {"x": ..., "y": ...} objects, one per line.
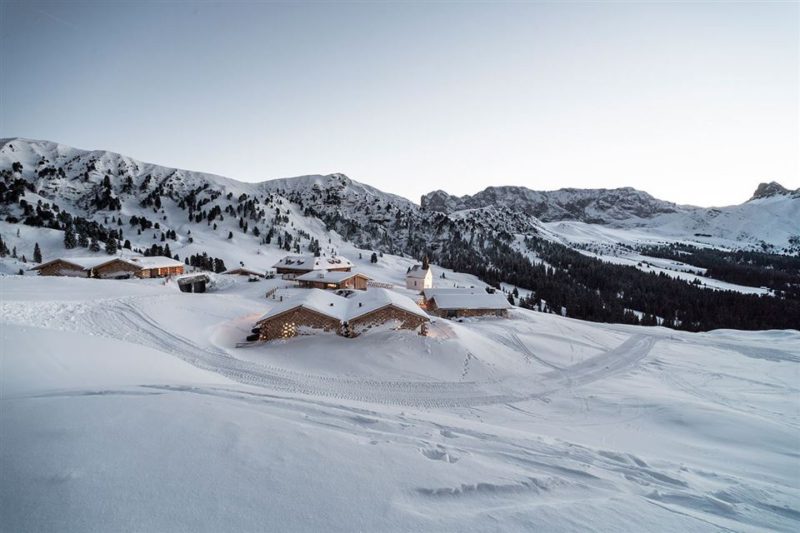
[{"x": 90, "y": 183}]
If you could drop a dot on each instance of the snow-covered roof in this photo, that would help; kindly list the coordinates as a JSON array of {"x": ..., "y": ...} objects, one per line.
[
  {"x": 144, "y": 262},
  {"x": 246, "y": 270},
  {"x": 88, "y": 263},
  {"x": 472, "y": 301},
  {"x": 153, "y": 261},
  {"x": 432, "y": 292},
  {"x": 318, "y": 300},
  {"x": 418, "y": 272},
  {"x": 82, "y": 262},
  {"x": 310, "y": 262},
  {"x": 373, "y": 299},
  {"x": 326, "y": 276},
  {"x": 344, "y": 309}
]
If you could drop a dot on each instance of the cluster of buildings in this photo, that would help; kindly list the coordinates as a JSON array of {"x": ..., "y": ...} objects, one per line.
[
  {"x": 349, "y": 314},
  {"x": 344, "y": 302},
  {"x": 337, "y": 299},
  {"x": 115, "y": 268}
]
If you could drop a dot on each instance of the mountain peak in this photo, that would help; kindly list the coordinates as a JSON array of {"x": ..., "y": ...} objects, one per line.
[
  {"x": 586, "y": 205},
  {"x": 766, "y": 190}
]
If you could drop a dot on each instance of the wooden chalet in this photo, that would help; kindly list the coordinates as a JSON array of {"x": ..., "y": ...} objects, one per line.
[
  {"x": 319, "y": 311},
  {"x": 140, "y": 267},
  {"x": 115, "y": 268},
  {"x": 334, "y": 280},
  {"x": 303, "y": 264},
  {"x": 465, "y": 302},
  {"x": 78, "y": 267}
]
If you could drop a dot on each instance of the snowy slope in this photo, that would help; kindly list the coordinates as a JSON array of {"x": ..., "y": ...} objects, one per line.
[
  {"x": 626, "y": 215},
  {"x": 332, "y": 210},
  {"x": 126, "y": 406},
  {"x": 337, "y": 208},
  {"x": 586, "y": 205}
]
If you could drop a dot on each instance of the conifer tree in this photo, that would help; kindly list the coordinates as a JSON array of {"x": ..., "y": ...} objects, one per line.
[{"x": 70, "y": 241}]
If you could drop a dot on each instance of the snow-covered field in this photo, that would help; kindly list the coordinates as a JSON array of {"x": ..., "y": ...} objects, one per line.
[{"x": 125, "y": 406}]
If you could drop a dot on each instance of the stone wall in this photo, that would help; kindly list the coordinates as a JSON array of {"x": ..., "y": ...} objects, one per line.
[
  {"x": 463, "y": 313},
  {"x": 292, "y": 324},
  {"x": 364, "y": 323}
]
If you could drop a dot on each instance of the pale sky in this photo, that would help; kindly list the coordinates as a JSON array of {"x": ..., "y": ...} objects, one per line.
[{"x": 694, "y": 102}]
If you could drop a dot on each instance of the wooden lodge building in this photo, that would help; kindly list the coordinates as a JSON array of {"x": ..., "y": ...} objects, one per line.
[
  {"x": 115, "y": 268},
  {"x": 334, "y": 280},
  {"x": 317, "y": 311},
  {"x": 303, "y": 264},
  {"x": 77, "y": 267},
  {"x": 465, "y": 302}
]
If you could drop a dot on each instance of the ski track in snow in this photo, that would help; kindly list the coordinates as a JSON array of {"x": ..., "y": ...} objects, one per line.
[
  {"x": 124, "y": 319},
  {"x": 546, "y": 471},
  {"x": 531, "y": 472}
]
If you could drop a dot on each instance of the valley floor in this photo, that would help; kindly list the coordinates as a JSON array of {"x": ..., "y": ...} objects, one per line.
[{"x": 125, "y": 406}]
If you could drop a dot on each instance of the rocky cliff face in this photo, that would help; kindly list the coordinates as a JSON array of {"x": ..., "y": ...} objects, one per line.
[
  {"x": 773, "y": 188},
  {"x": 100, "y": 186},
  {"x": 585, "y": 205}
]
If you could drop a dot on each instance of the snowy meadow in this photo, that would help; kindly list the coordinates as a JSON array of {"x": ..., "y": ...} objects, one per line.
[{"x": 127, "y": 406}]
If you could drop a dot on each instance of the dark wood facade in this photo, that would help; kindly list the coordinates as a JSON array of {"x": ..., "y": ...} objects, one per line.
[
  {"x": 162, "y": 272},
  {"x": 431, "y": 308},
  {"x": 111, "y": 269},
  {"x": 60, "y": 267},
  {"x": 116, "y": 269}
]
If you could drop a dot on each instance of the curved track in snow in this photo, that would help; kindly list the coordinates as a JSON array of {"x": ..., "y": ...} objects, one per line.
[{"x": 123, "y": 319}]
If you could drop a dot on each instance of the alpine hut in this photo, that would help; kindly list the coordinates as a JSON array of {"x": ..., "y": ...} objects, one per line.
[
  {"x": 140, "y": 267},
  {"x": 78, "y": 267},
  {"x": 334, "y": 280},
  {"x": 463, "y": 302},
  {"x": 317, "y": 311}
]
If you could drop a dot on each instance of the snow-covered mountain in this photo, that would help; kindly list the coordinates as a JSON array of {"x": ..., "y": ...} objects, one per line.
[
  {"x": 564, "y": 246},
  {"x": 98, "y": 185},
  {"x": 89, "y": 182},
  {"x": 138, "y": 403},
  {"x": 773, "y": 189},
  {"x": 770, "y": 219},
  {"x": 586, "y": 205}
]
